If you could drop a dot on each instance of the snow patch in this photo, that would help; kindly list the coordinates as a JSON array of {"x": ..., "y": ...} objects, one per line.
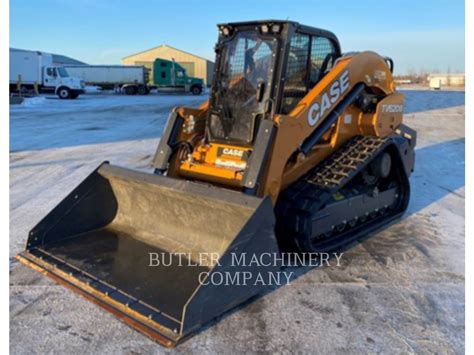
[
  {"x": 33, "y": 101},
  {"x": 92, "y": 89}
]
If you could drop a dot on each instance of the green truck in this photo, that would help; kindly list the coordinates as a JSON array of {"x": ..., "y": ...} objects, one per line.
[{"x": 168, "y": 74}]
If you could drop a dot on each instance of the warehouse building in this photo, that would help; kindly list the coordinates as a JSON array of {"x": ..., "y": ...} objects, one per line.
[
  {"x": 195, "y": 66},
  {"x": 447, "y": 79},
  {"x": 59, "y": 59}
]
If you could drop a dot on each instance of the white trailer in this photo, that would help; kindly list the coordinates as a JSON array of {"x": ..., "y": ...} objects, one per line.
[
  {"x": 435, "y": 83},
  {"x": 131, "y": 79},
  {"x": 33, "y": 69}
]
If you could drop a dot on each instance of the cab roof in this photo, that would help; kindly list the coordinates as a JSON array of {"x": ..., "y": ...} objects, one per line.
[{"x": 296, "y": 25}]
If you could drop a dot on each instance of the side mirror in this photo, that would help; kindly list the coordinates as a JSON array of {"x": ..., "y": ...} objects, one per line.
[{"x": 260, "y": 91}]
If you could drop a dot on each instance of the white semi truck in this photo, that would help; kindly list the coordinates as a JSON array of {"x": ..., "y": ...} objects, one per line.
[
  {"x": 30, "y": 69},
  {"x": 130, "y": 79}
]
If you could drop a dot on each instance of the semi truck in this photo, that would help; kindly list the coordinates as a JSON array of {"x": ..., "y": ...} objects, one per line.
[
  {"x": 129, "y": 79},
  {"x": 34, "y": 70},
  {"x": 169, "y": 75},
  {"x": 135, "y": 79}
]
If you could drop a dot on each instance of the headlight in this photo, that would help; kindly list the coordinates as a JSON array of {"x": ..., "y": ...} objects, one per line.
[
  {"x": 267, "y": 28},
  {"x": 276, "y": 28},
  {"x": 225, "y": 30}
]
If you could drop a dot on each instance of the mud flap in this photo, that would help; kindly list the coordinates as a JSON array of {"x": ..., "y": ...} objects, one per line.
[{"x": 148, "y": 248}]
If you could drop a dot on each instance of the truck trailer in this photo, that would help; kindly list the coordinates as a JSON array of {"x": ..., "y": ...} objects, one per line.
[
  {"x": 130, "y": 79},
  {"x": 34, "y": 70},
  {"x": 134, "y": 79}
]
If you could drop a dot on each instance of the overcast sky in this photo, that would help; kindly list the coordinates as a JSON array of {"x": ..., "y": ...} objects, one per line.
[{"x": 418, "y": 34}]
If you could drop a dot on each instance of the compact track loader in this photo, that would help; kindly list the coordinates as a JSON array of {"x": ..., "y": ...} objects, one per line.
[{"x": 299, "y": 147}]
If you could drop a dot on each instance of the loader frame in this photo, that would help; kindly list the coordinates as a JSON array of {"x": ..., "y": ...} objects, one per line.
[
  {"x": 227, "y": 197},
  {"x": 287, "y": 146}
]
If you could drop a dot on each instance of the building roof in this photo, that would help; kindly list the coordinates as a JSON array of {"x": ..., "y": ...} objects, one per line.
[
  {"x": 56, "y": 57},
  {"x": 65, "y": 59},
  {"x": 23, "y": 50},
  {"x": 167, "y": 46},
  {"x": 447, "y": 74}
]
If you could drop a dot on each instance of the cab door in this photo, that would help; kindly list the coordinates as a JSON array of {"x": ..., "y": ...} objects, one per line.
[
  {"x": 310, "y": 58},
  {"x": 51, "y": 77},
  {"x": 180, "y": 77}
]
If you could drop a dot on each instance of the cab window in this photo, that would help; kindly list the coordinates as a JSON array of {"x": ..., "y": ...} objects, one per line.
[
  {"x": 62, "y": 72},
  {"x": 296, "y": 72},
  {"x": 323, "y": 55},
  {"x": 51, "y": 72},
  {"x": 309, "y": 59}
]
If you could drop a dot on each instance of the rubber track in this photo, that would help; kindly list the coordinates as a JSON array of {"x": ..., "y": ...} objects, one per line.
[{"x": 305, "y": 198}]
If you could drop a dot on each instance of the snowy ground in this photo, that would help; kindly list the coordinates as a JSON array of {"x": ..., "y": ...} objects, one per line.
[{"x": 400, "y": 291}]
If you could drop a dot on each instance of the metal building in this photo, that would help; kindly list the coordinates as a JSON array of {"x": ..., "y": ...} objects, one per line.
[
  {"x": 447, "y": 79},
  {"x": 59, "y": 59},
  {"x": 196, "y": 66}
]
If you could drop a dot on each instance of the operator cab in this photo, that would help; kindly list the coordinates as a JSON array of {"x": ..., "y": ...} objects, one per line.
[{"x": 264, "y": 68}]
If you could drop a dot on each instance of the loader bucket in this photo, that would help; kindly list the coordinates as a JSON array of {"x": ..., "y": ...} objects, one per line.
[{"x": 146, "y": 247}]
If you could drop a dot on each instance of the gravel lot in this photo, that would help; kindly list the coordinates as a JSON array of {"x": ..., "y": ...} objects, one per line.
[{"x": 401, "y": 291}]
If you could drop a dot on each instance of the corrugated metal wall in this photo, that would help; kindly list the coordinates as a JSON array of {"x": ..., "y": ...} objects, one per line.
[
  {"x": 449, "y": 79},
  {"x": 201, "y": 67}
]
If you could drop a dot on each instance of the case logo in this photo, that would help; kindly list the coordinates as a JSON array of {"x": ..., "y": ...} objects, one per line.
[
  {"x": 329, "y": 98},
  {"x": 237, "y": 153}
]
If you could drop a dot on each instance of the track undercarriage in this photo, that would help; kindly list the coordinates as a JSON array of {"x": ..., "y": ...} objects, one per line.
[{"x": 359, "y": 188}]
